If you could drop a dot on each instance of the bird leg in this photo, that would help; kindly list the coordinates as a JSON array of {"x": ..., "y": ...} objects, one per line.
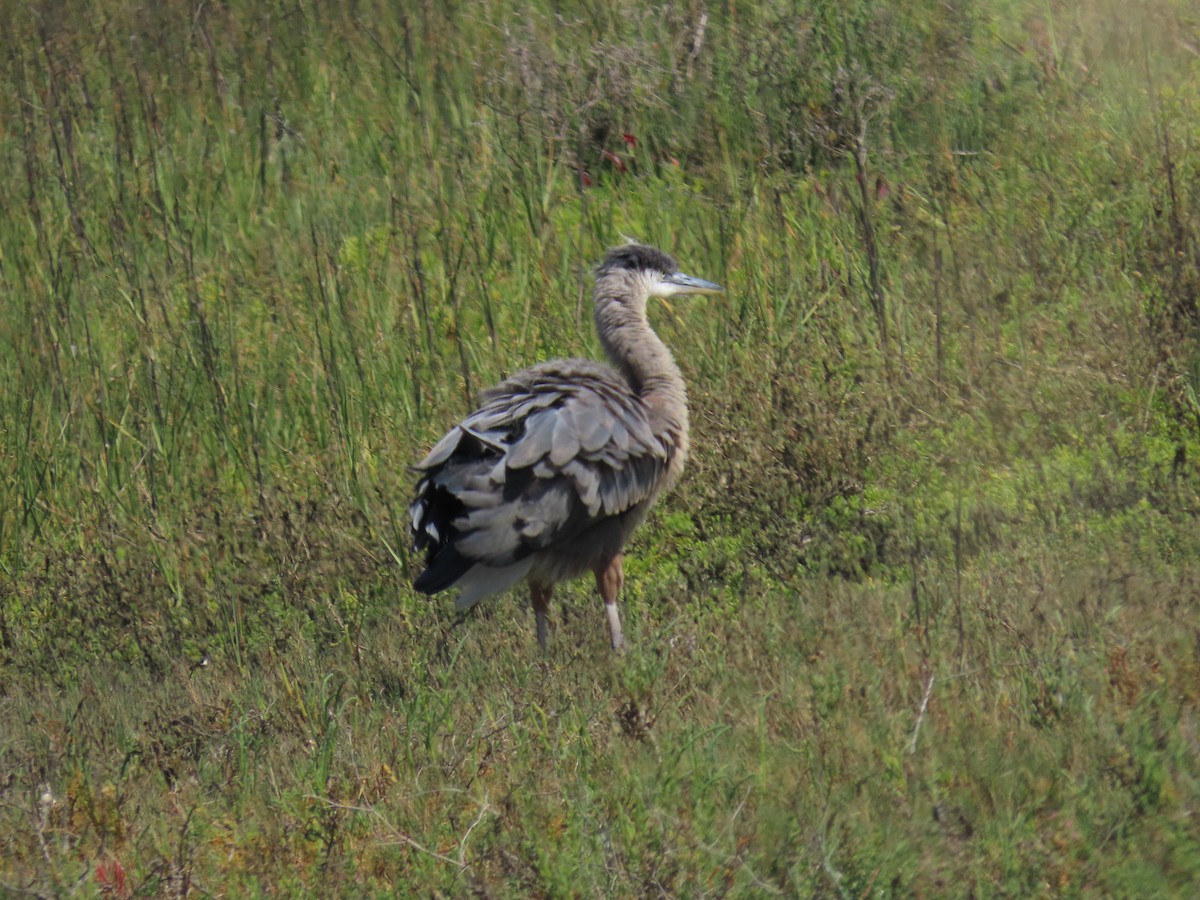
[
  {"x": 609, "y": 579},
  {"x": 540, "y": 598}
]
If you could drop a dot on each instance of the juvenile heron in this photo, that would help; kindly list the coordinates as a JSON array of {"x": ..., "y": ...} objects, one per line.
[{"x": 549, "y": 478}]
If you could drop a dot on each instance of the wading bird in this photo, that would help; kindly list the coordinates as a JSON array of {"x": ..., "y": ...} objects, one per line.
[{"x": 547, "y": 480}]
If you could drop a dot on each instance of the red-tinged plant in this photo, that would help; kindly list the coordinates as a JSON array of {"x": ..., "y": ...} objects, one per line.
[
  {"x": 111, "y": 878},
  {"x": 617, "y": 162}
]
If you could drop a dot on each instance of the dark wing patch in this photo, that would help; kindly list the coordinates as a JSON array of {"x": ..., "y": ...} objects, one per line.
[{"x": 551, "y": 451}]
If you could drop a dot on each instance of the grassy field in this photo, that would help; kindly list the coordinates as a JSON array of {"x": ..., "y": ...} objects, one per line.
[{"x": 922, "y": 618}]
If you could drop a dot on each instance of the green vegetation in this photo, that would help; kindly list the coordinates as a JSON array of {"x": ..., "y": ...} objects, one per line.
[{"x": 922, "y": 617}]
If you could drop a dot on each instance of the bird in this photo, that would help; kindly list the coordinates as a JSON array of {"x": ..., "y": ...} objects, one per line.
[{"x": 562, "y": 461}]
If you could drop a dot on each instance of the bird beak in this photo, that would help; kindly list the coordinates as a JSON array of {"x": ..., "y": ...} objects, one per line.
[
  {"x": 689, "y": 284},
  {"x": 679, "y": 283}
]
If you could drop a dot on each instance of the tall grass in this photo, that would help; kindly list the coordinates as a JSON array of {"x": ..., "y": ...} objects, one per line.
[{"x": 920, "y": 619}]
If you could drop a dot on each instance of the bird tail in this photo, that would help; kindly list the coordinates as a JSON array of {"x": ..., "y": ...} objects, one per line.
[
  {"x": 445, "y": 567},
  {"x": 474, "y": 580},
  {"x": 483, "y": 581}
]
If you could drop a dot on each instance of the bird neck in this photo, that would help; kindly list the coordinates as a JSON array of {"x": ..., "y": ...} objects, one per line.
[{"x": 642, "y": 358}]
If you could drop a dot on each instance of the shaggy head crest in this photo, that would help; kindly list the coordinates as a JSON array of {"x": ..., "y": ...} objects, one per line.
[{"x": 637, "y": 258}]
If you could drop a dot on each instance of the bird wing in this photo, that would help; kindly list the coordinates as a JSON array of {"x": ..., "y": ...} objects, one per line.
[{"x": 551, "y": 451}]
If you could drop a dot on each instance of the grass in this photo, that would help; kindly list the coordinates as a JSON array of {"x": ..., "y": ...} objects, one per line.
[{"x": 920, "y": 619}]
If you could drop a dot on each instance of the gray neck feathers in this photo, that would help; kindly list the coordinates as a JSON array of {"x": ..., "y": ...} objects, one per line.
[{"x": 634, "y": 348}]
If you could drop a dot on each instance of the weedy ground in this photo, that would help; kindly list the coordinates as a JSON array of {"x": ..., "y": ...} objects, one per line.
[{"x": 920, "y": 620}]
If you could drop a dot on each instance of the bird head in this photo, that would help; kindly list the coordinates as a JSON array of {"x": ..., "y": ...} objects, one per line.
[{"x": 656, "y": 273}]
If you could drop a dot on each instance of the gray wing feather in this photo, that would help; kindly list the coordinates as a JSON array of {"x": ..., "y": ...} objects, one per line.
[
  {"x": 614, "y": 492},
  {"x": 565, "y": 445},
  {"x": 483, "y": 436},
  {"x": 616, "y": 449},
  {"x": 489, "y": 535},
  {"x": 587, "y": 484},
  {"x": 442, "y": 450},
  {"x": 595, "y": 432},
  {"x": 536, "y": 443}
]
